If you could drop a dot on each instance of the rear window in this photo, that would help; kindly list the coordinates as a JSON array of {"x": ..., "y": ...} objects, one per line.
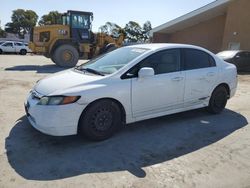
[{"x": 197, "y": 59}]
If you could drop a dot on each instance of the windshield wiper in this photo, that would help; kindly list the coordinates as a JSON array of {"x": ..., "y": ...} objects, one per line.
[{"x": 93, "y": 71}]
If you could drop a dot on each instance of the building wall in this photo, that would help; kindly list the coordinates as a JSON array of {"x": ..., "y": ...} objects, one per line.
[
  {"x": 208, "y": 34},
  {"x": 237, "y": 27},
  {"x": 160, "y": 38}
]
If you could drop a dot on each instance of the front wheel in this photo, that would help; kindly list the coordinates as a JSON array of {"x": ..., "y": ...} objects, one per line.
[
  {"x": 100, "y": 120},
  {"x": 53, "y": 59},
  {"x": 66, "y": 56},
  {"x": 218, "y": 100}
]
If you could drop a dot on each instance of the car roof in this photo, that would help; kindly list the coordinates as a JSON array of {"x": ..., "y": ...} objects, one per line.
[
  {"x": 158, "y": 46},
  {"x": 229, "y": 53},
  {"x": 13, "y": 41},
  {"x": 233, "y": 51}
]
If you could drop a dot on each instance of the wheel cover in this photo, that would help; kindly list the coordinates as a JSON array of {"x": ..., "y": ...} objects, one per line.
[
  {"x": 67, "y": 56},
  {"x": 102, "y": 120}
]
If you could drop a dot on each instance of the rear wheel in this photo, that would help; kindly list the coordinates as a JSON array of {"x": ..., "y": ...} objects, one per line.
[
  {"x": 65, "y": 56},
  {"x": 1, "y": 51},
  {"x": 100, "y": 120},
  {"x": 23, "y": 52},
  {"x": 218, "y": 100}
]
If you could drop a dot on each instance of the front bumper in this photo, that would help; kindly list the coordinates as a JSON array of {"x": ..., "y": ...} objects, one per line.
[{"x": 55, "y": 120}]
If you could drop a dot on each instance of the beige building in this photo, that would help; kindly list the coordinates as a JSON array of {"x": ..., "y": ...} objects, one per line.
[{"x": 220, "y": 25}]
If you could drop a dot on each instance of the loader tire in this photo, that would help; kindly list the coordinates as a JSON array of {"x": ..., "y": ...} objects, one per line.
[{"x": 65, "y": 56}]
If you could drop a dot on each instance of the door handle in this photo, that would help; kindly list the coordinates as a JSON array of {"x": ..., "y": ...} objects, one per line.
[
  {"x": 177, "y": 78},
  {"x": 210, "y": 74}
]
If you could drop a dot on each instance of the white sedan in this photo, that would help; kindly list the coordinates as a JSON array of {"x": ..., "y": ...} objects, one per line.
[
  {"x": 14, "y": 47},
  {"x": 130, "y": 84}
]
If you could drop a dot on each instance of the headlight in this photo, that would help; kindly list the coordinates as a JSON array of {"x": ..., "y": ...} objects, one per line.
[{"x": 58, "y": 100}]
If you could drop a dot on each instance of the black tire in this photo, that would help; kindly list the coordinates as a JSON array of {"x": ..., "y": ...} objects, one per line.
[
  {"x": 53, "y": 60},
  {"x": 100, "y": 120},
  {"x": 1, "y": 51},
  {"x": 23, "y": 52},
  {"x": 65, "y": 56},
  {"x": 218, "y": 100}
]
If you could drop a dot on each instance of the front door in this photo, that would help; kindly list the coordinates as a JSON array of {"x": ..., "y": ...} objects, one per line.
[
  {"x": 161, "y": 92},
  {"x": 8, "y": 47}
]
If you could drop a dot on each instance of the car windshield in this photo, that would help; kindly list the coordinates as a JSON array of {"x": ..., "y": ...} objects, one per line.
[{"x": 113, "y": 61}]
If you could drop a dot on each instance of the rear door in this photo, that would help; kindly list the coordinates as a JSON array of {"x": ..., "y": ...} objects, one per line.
[
  {"x": 201, "y": 74},
  {"x": 18, "y": 46}
]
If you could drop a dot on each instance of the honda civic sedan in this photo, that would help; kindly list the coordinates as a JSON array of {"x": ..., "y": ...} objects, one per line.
[{"x": 130, "y": 84}]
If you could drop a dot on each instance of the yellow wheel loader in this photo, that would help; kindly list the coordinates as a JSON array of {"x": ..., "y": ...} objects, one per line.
[{"x": 66, "y": 43}]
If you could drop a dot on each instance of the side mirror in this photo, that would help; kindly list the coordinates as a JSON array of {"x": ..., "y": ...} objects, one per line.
[{"x": 146, "y": 72}]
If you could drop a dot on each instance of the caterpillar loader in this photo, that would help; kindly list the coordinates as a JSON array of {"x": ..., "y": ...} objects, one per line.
[{"x": 65, "y": 43}]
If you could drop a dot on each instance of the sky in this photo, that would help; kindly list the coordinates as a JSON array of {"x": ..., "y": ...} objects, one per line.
[{"x": 120, "y": 12}]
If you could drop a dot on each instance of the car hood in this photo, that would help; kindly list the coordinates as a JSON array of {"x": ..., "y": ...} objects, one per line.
[{"x": 64, "y": 80}]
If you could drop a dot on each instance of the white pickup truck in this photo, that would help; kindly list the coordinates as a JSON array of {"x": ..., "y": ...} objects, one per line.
[{"x": 14, "y": 47}]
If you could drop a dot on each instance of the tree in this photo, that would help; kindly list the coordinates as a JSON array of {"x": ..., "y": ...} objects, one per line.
[
  {"x": 134, "y": 32},
  {"x": 2, "y": 33},
  {"x": 54, "y": 17},
  {"x": 112, "y": 29},
  {"x": 22, "y": 22},
  {"x": 147, "y": 27}
]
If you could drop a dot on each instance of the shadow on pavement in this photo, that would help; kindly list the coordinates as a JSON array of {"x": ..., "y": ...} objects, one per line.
[
  {"x": 36, "y": 156},
  {"x": 37, "y": 68}
]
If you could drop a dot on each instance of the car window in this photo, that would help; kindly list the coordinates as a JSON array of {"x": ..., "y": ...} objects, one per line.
[
  {"x": 211, "y": 61},
  {"x": 162, "y": 62},
  {"x": 197, "y": 59},
  {"x": 8, "y": 44},
  {"x": 18, "y": 44}
]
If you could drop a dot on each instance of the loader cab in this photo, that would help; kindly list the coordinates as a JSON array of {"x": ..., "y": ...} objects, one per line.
[{"x": 80, "y": 25}]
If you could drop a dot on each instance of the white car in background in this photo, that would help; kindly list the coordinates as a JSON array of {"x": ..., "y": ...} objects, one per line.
[
  {"x": 14, "y": 47},
  {"x": 130, "y": 84}
]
